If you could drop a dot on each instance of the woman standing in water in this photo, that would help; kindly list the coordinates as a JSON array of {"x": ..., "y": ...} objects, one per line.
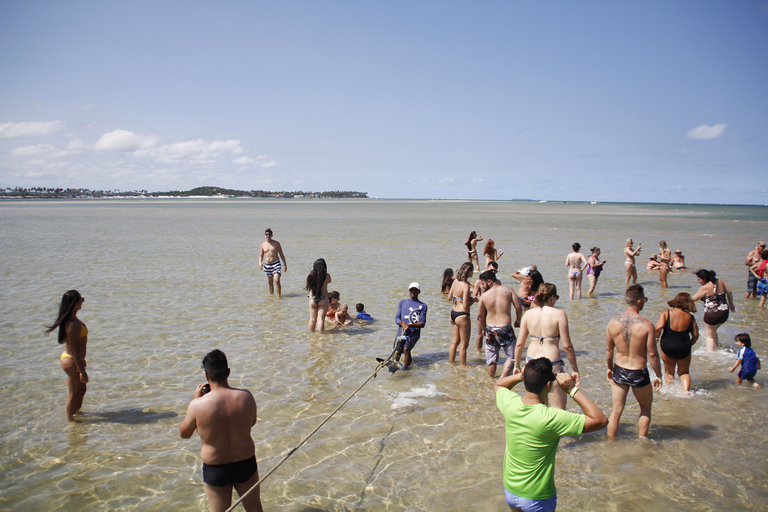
[
  {"x": 317, "y": 286},
  {"x": 629, "y": 260},
  {"x": 447, "y": 280},
  {"x": 74, "y": 335},
  {"x": 677, "y": 332},
  {"x": 594, "y": 267},
  {"x": 491, "y": 254},
  {"x": 461, "y": 325},
  {"x": 547, "y": 327},
  {"x": 665, "y": 259},
  {"x": 718, "y": 300},
  {"x": 576, "y": 263},
  {"x": 471, "y": 244}
]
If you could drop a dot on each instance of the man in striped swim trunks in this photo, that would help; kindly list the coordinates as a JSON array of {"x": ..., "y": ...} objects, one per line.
[{"x": 269, "y": 261}]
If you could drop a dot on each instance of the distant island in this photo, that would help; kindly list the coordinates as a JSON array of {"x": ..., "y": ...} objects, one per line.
[{"x": 77, "y": 193}]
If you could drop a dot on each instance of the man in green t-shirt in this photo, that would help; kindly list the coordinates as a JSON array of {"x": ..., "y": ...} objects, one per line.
[{"x": 534, "y": 430}]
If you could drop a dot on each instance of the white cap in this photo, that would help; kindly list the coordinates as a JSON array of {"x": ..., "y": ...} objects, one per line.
[
  {"x": 525, "y": 271},
  {"x": 414, "y": 285}
]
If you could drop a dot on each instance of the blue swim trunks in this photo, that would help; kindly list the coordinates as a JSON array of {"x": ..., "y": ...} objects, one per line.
[
  {"x": 528, "y": 505},
  {"x": 747, "y": 375}
]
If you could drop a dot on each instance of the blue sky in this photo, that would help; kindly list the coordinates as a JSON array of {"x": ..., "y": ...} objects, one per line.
[{"x": 563, "y": 100}]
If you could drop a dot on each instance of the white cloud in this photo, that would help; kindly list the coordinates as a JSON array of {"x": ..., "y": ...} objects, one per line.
[
  {"x": 445, "y": 180},
  {"x": 263, "y": 162},
  {"x": 243, "y": 160},
  {"x": 197, "y": 151},
  {"x": 707, "y": 132},
  {"x": 33, "y": 151},
  {"x": 29, "y": 129},
  {"x": 123, "y": 140}
]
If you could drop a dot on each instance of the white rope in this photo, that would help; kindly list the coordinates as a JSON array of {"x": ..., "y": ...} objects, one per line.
[{"x": 292, "y": 451}]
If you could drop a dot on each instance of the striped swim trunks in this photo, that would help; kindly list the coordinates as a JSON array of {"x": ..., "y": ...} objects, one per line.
[{"x": 273, "y": 268}]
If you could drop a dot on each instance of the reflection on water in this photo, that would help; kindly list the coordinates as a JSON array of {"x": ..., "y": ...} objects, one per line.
[{"x": 167, "y": 281}]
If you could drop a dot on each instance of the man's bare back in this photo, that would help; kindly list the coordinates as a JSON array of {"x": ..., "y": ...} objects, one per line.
[
  {"x": 630, "y": 334},
  {"x": 223, "y": 418}
]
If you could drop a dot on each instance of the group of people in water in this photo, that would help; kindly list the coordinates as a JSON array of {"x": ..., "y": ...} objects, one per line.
[{"x": 631, "y": 340}]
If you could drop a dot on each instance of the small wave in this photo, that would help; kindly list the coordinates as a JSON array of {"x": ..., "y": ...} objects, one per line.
[{"x": 408, "y": 398}]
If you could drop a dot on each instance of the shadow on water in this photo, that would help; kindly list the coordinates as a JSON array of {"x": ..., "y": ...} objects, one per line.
[
  {"x": 430, "y": 357},
  {"x": 379, "y": 457},
  {"x": 132, "y": 416},
  {"x": 710, "y": 385},
  {"x": 699, "y": 432}
]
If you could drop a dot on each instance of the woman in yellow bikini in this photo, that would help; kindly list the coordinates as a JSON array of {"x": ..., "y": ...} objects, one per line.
[{"x": 74, "y": 335}]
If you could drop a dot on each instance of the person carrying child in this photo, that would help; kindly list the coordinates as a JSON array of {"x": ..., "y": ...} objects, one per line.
[{"x": 748, "y": 360}]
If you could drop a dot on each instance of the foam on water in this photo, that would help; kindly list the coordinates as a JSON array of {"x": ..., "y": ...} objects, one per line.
[{"x": 408, "y": 398}]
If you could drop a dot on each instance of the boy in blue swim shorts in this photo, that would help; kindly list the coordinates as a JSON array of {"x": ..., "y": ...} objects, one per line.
[{"x": 748, "y": 360}]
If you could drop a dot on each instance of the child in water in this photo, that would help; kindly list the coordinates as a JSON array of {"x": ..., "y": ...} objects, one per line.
[
  {"x": 342, "y": 316},
  {"x": 361, "y": 314},
  {"x": 748, "y": 360}
]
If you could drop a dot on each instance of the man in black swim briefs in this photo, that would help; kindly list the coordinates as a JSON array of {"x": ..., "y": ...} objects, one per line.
[
  {"x": 633, "y": 339},
  {"x": 223, "y": 416}
]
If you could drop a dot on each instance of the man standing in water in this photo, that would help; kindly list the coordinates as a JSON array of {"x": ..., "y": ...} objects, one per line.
[
  {"x": 494, "y": 319},
  {"x": 223, "y": 416},
  {"x": 533, "y": 432},
  {"x": 753, "y": 258},
  {"x": 633, "y": 338},
  {"x": 411, "y": 317},
  {"x": 269, "y": 261}
]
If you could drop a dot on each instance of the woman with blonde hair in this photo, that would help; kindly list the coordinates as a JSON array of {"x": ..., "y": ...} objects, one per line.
[
  {"x": 677, "y": 332},
  {"x": 629, "y": 260},
  {"x": 461, "y": 326},
  {"x": 665, "y": 259},
  {"x": 73, "y": 334},
  {"x": 491, "y": 254},
  {"x": 547, "y": 327}
]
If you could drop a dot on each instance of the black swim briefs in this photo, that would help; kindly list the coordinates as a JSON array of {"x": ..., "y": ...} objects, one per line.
[
  {"x": 632, "y": 378},
  {"x": 221, "y": 475}
]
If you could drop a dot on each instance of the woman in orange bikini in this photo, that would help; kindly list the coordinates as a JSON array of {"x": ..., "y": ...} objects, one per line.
[{"x": 74, "y": 335}]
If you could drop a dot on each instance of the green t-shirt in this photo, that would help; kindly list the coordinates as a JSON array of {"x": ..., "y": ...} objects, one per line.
[{"x": 533, "y": 433}]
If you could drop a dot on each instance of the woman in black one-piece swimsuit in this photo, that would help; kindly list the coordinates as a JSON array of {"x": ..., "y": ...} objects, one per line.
[{"x": 676, "y": 344}]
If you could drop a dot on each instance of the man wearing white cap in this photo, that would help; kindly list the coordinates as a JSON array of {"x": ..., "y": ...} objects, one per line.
[{"x": 411, "y": 317}]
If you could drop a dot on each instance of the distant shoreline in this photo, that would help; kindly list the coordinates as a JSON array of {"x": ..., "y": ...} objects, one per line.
[{"x": 195, "y": 193}]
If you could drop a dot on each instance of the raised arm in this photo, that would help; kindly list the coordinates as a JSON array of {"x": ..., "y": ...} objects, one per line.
[
  {"x": 508, "y": 382},
  {"x": 595, "y": 419}
]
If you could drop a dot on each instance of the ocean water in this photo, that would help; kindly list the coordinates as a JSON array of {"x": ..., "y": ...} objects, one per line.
[{"x": 166, "y": 281}]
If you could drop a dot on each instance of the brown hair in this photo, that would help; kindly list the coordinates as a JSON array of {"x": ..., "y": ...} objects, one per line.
[
  {"x": 634, "y": 293},
  {"x": 464, "y": 270},
  {"x": 543, "y": 294},
  {"x": 490, "y": 247},
  {"x": 683, "y": 301}
]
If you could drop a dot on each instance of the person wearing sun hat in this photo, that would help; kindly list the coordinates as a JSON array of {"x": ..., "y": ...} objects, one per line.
[{"x": 410, "y": 319}]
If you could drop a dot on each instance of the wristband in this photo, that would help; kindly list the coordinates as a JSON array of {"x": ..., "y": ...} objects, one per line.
[{"x": 573, "y": 391}]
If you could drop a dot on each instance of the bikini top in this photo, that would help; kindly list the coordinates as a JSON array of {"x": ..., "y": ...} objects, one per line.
[
  {"x": 83, "y": 331},
  {"x": 542, "y": 338}
]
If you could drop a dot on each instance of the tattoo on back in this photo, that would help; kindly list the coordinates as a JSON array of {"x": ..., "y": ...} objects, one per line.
[{"x": 627, "y": 321}]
